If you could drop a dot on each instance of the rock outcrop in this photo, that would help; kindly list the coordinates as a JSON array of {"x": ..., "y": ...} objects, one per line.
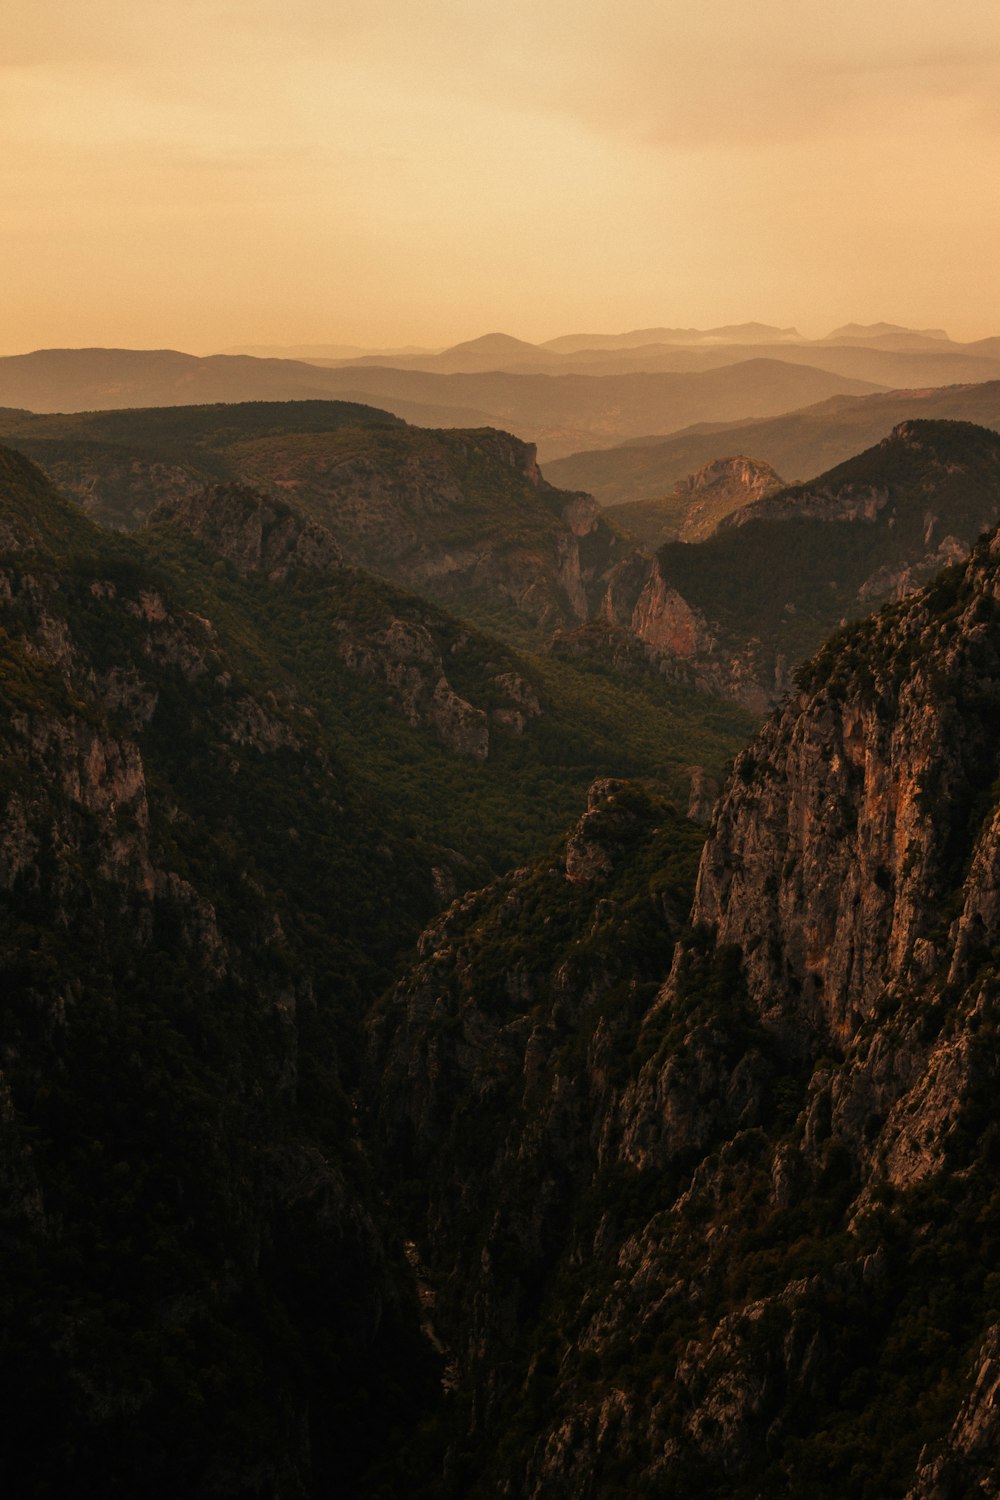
[
  {"x": 718, "y": 489},
  {"x": 769, "y": 1260}
]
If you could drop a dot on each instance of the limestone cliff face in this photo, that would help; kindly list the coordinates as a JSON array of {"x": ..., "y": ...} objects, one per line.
[
  {"x": 254, "y": 534},
  {"x": 679, "y": 640},
  {"x": 497, "y": 1055},
  {"x": 464, "y": 517},
  {"x": 718, "y": 489},
  {"x": 781, "y": 1163},
  {"x": 380, "y": 633},
  {"x": 846, "y": 825}
]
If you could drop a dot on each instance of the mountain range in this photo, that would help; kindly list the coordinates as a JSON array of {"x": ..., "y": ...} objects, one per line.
[
  {"x": 399, "y": 1093},
  {"x": 797, "y": 444},
  {"x": 560, "y": 413}
]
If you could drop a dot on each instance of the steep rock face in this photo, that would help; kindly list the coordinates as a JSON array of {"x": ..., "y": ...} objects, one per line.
[
  {"x": 717, "y": 489},
  {"x": 779, "y": 1269},
  {"x": 679, "y": 640},
  {"x": 974, "y": 1440},
  {"x": 255, "y": 535},
  {"x": 863, "y": 803},
  {"x": 462, "y": 516},
  {"x": 847, "y": 835},
  {"x": 477, "y": 1074},
  {"x": 406, "y": 649}
]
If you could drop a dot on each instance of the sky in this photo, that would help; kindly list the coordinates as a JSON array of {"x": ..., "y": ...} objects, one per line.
[{"x": 198, "y": 174}]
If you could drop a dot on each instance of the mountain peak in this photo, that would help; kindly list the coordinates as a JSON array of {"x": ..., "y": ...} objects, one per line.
[
  {"x": 493, "y": 343},
  {"x": 880, "y": 330}
]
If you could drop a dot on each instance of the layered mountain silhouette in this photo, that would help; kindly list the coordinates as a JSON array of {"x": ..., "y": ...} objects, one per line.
[
  {"x": 798, "y": 444},
  {"x": 559, "y": 412}
]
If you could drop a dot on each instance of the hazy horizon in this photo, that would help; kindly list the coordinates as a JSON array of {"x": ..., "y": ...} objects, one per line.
[{"x": 199, "y": 176}]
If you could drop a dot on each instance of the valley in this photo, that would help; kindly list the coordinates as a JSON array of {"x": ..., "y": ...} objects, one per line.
[{"x": 501, "y": 983}]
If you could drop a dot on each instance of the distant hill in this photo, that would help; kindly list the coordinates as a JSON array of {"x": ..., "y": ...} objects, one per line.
[
  {"x": 882, "y": 332},
  {"x": 744, "y": 333},
  {"x": 561, "y": 413},
  {"x": 320, "y": 351},
  {"x": 882, "y": 354},
  {"x": 798, "y": 444}
]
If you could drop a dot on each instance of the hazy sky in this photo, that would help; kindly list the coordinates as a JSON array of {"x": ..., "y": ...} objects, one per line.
[{"x": 200, "y": 173}]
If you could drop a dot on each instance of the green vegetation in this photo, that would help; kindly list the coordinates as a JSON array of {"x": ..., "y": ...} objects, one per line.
[
  {"x": 937, "y": 480},
  {"x": 221, "y": 837}
]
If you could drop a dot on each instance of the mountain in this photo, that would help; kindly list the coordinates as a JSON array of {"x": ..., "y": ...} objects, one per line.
[
  {"x": 741, "y": 608},
  {"x": 731, "y": 1231},
  {"x": 464, "y": 517},
  {"x": 239, "y": 774},
  {"x": 625, "y": 1178},
  {"x": 196, "y": 894},
  {"x": 902, "y": 358},
  {"x": 323, "y": 351},
  {"x": 697, "y": 503},
  {"x": 731, "y": 333},
  {"x": 887, "y": 333},
  {"x": 800, "y": 443},
  {"x": 560, "y": 413}
]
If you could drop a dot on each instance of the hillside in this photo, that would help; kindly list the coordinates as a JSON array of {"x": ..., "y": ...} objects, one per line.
[
  {"x": 560, "y": 412},
  {"x": 742, "y": 608},
  {"x": 239, "y": 775},
  {"x": 731, "y": 1231},
  {"x": 799, "y": 445},
  {"x": 464, "y": 517},
  {"x": 696, "y": 504},
  {"x": 592, "y": 1191},
  {"x": 197, "y": 895}
]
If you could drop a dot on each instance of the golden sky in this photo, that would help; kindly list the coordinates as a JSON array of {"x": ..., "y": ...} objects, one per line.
[{"x": 202, "y": 173}]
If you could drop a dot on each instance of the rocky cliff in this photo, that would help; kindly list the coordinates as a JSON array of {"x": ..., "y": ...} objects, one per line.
[
  {"x": 464, "y": 517},
  {"x": 735, "y": 612},
  {"x": 696, "y": 504},
  {"x": 378, "y": 632},
  {"x": 770, "y": 1262}
]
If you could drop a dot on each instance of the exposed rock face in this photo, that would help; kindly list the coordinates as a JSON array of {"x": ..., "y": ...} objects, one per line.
[
  {"x": 477, "y": 1071},
  {"x": 405, "y": 651},
  {"x": 463, "y": 517},
  {"x": 721, "y": 487},
  {"x": 601, "y": 837},
  {"x": 968, "y": 1464},
  {"x": 788, "y": 1191},
  {"x": 680, "y": 641},
  {"x": 862, "y": 803},
  {"x": 256, "y": 535},
  {"x": 704, "y": 795}
]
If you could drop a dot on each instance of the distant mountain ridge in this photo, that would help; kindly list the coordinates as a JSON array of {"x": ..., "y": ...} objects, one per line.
[
  {"x": 560, "y": 412},
  {"x": 800, "y": 443}
]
